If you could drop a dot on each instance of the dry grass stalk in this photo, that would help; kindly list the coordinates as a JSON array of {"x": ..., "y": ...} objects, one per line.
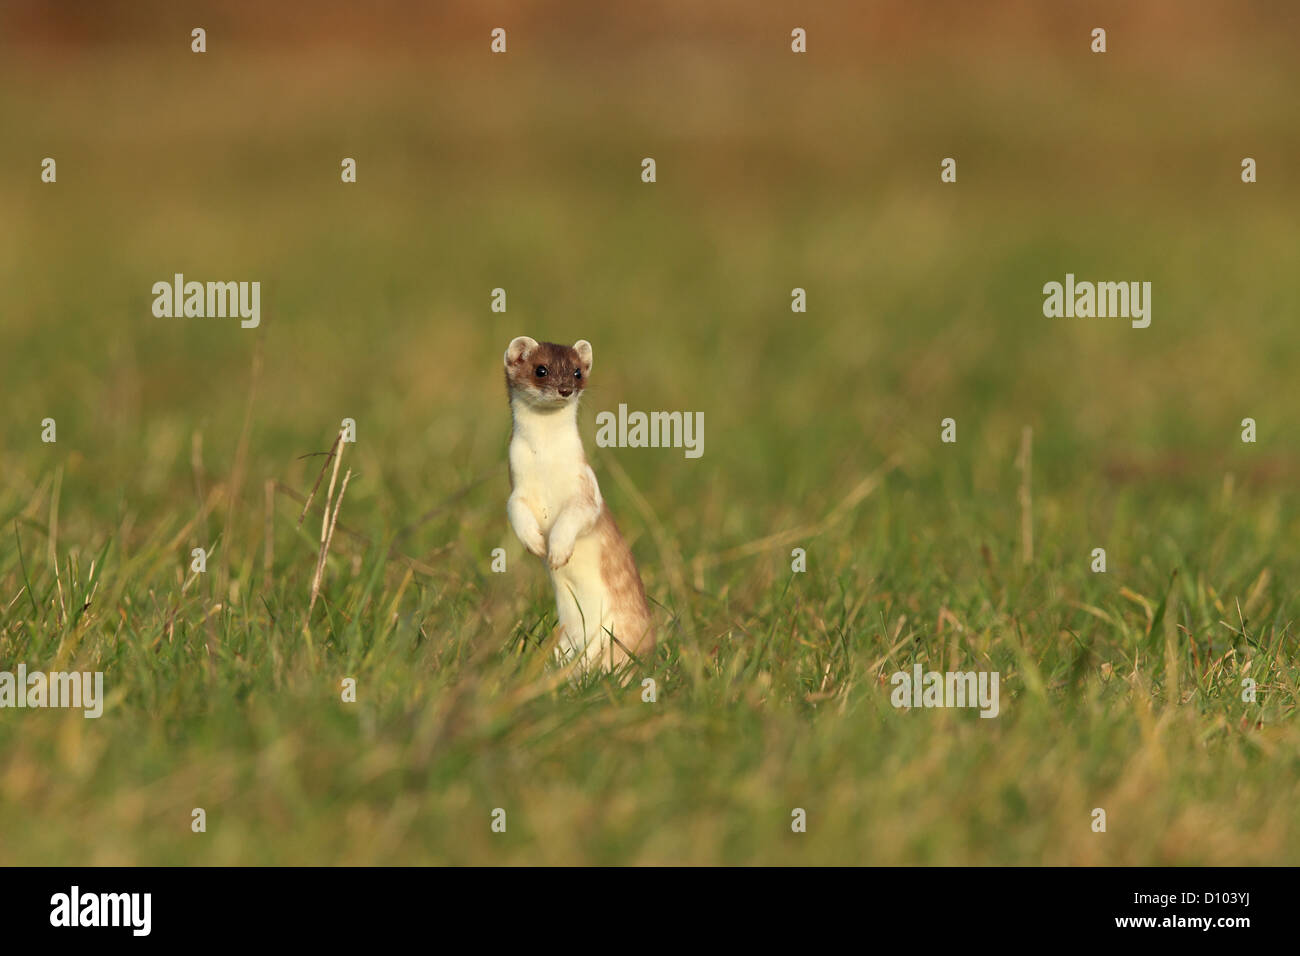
[{"x": 328, "y": 518}]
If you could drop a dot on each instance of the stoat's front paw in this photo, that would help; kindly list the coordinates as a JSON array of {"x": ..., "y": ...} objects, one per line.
[
  {"x": 559, "y": 555},
  {"x": 536, "y": 543}
]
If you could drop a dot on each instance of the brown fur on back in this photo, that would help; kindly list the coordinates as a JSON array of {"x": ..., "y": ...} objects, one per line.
[{"x": 635, "y": 632}]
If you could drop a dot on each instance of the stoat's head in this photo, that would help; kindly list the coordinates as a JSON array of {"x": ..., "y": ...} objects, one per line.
[{"x": 546, "y": 375}]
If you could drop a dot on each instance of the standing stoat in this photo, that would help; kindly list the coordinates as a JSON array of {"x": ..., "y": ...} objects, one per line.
[{"x": 556, "y": 509}]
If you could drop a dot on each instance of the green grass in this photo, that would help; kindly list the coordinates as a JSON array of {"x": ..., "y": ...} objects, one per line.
[{"x": 1119, "y": 690}]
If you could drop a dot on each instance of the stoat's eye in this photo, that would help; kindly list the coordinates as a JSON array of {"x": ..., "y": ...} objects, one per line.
[
  {"x": 577, "y": 373},
  {"x": 541, "y": 371}
]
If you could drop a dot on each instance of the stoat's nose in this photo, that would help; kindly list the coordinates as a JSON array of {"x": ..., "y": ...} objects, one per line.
[{"x": 566, "y": 392}]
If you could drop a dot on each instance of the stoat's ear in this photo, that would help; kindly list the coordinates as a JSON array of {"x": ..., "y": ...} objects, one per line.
[
  {"x": 583, "y": 348},
  {"x": 518, "y": 348}
]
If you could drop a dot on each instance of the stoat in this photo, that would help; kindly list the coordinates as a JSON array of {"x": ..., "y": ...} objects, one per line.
[{"x": 556, "y": 510}]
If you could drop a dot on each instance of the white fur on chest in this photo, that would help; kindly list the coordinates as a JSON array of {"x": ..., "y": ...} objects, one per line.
[
  {"x": 551, "y": 478},
  {"x": 547, "y": 460}
]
